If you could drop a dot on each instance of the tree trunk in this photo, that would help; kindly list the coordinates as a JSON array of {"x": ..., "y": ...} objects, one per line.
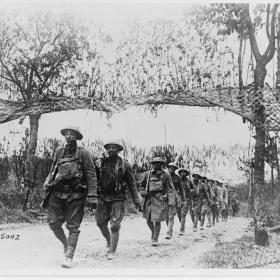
[
  {"x": 277, "y": 85},
  {"x": 29, "y": 179},
  {"x": 261, "y": 236},
  {"x": 278, "y": 179},
  {"x": 250, "y": 205},
  {"x": 272, "y": 180}
]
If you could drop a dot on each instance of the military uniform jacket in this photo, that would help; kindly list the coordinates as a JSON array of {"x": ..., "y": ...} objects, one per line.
[
  {"x": 155, "y": 202},
  {"x": 196, "y": 192},
  {"x": 126, "y": 177},
  {"x": 187, "y": 186},
  {"x": 178, "y": 185},
  {"x": 88, "y": 179}
]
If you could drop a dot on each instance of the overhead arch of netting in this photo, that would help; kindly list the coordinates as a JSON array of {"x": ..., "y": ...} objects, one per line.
[{"x": 241, "y": 102}]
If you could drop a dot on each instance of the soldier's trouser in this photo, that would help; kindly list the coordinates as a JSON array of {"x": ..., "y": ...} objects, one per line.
[
  {"x": 196, "y": 212},
  {"x": 112, "y": 211},
  {"x": 154, "y": 227},
  {"x": 219, "y": 206},
  {"x": 172, "y": 210},
  {"x": 234, "y": 210},
  {"x": 205, "y": 210},
  {"x": 61, "y": 210},
  {"x": 214, "y": 212},
  {"x": 184, "y": 211}
]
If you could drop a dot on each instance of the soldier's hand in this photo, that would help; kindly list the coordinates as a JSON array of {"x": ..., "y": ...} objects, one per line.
[
  {"x": 91, "y": 203},
  {"x": 139, "y": 207},
  {"x": 46, "y": 186},
  {"x": 98, "y": 163},
  {"x": 143, "y": 194}
]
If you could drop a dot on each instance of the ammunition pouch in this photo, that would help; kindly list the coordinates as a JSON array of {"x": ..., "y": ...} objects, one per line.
[
  {"x": 155, "y": 185},
  {"x": 171, "y": 199},
  {"x": 70, "y": 187},
  {"x": 178, "y": 201}
]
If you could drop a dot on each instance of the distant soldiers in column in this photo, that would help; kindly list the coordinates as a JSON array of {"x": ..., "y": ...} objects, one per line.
[
  {"x": 71, "y": 180},
  {"x": 187, "y": 186},
  {"x": 180, "y": 199},
  {"x": 155, "y": 187},
  {"x": 115, "y": 176}
]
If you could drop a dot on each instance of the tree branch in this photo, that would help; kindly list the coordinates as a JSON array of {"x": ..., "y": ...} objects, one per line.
[
  {"x": 240, "y": 62},
  {"x": 254, "y": 45},
  {"x": 267, "y": 22},
  {"x": 269, "y": 53}
]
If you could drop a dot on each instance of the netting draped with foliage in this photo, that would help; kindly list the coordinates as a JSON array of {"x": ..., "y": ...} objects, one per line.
[{"x": 162, "y": 62}]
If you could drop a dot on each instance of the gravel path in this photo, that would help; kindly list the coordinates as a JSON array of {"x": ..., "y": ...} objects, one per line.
[{"x": 37, "y": 252}]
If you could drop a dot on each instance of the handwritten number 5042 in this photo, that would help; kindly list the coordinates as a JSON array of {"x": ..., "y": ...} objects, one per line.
[{"x": 9, "y": 236}]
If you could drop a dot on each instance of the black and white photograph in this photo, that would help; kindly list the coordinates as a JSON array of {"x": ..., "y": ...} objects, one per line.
[{"x": 139, "y": 138}]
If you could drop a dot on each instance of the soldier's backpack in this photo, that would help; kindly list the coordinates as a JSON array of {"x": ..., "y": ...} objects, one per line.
[{"x": 69, "y": 168}]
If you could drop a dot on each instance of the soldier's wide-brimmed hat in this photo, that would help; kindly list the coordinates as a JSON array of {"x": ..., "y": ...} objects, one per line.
[
  {"x": 116, "y": 143},
  {"x": 172, "y": 164},
  {"x": 204, "y": 178},
  {"x": 196, "y": 175},
  {"x": 73, "y": 128},
  {"x": 183, "y": 169},
  {"x": 157, "y": 159}
]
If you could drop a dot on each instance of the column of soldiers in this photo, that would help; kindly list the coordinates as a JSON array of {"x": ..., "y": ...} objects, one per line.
[{"x": 77, "y": 180}]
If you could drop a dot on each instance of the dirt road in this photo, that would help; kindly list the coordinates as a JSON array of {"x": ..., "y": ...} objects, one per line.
[{"x": 37, "y": 252}]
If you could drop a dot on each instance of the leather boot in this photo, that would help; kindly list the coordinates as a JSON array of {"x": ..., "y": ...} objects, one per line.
[
  {"x": 106, "y": 233},
  {"x": 113, "y": 245},
  {"x": 170, "y": 229},
  {"x": 60, "y": 235},
  {"x": 182, "y": 229},
  {"x": 156, "y": 234},
  {"x": 71, "y": 247}
]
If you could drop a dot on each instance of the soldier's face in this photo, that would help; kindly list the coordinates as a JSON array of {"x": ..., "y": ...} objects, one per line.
[
  {"x": 70, "y": 136},
  {"x": 157, "y": 165},
  {"x": 183, "y": 174},
  {"x": 171, "y": 169},
  {"x": 195, "y": 179},
  {"x": 112, "y": 150}
]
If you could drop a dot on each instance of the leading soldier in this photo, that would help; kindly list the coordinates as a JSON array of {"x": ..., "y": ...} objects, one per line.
[
  {"x": 71, "y": 180},
  {"x": 115, "y": 175}
]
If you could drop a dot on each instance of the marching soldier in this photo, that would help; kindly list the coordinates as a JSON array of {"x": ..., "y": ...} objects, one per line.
[
  {"x": 235, "y": 204},
  {"x": 155, "y": 187},
  {"x": 206, "y": 202},
  {"x": 180, "y": 199},
  {"x": 196, "y": 200},
  {"x": 71, "y": 180},
  {"x": 187, "y": 186},
  {"x": 225, "y": 202},
  {"x": 215, "y": 196},
  {"x": 220, "y": 200},
  {"x": 115, "y": 175}
]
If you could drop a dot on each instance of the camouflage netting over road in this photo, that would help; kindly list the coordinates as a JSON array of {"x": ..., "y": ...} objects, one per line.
[{"x": 231, "y": 99}]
